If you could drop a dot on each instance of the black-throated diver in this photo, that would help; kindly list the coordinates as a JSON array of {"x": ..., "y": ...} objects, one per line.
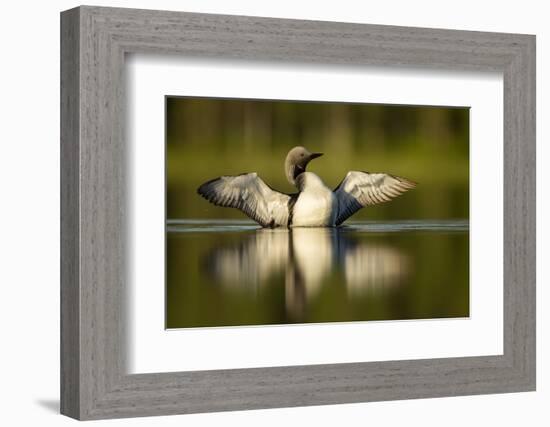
[{"x": 315, "y": 205}]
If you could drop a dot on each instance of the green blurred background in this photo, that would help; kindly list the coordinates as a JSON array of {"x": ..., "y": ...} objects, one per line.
[{"x": 208, "y": 137}]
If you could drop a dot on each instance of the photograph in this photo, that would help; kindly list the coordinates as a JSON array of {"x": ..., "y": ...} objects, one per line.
[
  {"x": 262, "y": 215},
  {"x": 297, "y": 212}
]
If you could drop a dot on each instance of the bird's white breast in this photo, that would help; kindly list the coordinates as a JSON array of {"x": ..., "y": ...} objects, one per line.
[{"x": 316, "y": 204}]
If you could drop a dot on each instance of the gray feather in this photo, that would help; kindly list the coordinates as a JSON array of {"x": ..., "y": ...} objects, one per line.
[
  {"x": 359, "y": 189},
  {"x": 248, "y": 193}
]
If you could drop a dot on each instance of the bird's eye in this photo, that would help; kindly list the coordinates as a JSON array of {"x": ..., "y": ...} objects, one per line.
[{"x": 302, "y": 154}]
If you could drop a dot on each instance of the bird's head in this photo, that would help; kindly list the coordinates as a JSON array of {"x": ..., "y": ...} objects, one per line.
[{"x": 296, "y": 162}]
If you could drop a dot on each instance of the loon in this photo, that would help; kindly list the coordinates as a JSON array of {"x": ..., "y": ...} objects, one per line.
[{"x": 314, "y": 205}]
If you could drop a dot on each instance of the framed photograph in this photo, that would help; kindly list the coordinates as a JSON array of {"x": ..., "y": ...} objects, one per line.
[
  {"x": 262, "y": 213},
  {"x": 313, "y": 254}
]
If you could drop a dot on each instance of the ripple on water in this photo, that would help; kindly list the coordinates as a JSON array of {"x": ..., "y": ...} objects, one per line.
[{"x": 225, "y": 225}]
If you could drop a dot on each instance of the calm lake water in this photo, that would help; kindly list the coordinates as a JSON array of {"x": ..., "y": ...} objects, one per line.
[{"x": 231, "y": 272}]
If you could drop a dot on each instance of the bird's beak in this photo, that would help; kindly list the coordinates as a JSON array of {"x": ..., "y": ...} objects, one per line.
[{"x": 315, "y": 155}]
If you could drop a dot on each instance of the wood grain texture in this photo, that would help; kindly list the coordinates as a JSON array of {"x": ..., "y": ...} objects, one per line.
[
  {"x": 95, "y": 276},
  {"x": 70, "y": 291}
]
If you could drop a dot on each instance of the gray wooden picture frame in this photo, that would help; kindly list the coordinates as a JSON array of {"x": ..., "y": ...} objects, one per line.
[{"x": 94, "y": 382}]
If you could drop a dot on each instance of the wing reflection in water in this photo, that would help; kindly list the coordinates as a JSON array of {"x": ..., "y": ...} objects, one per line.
[{"x": 306, "y": 258}]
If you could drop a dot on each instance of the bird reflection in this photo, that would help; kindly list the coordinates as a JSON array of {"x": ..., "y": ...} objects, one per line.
[{"x": 306, "y": 258}]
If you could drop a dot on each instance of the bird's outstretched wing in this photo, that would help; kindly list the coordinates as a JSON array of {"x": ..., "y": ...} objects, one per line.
[
  {"x": 359, "y": 189},
  {"x": 251, "y": 195}
]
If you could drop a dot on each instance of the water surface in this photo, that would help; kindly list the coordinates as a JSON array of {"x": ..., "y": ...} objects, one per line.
[{"x": 232, "y": 273}]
